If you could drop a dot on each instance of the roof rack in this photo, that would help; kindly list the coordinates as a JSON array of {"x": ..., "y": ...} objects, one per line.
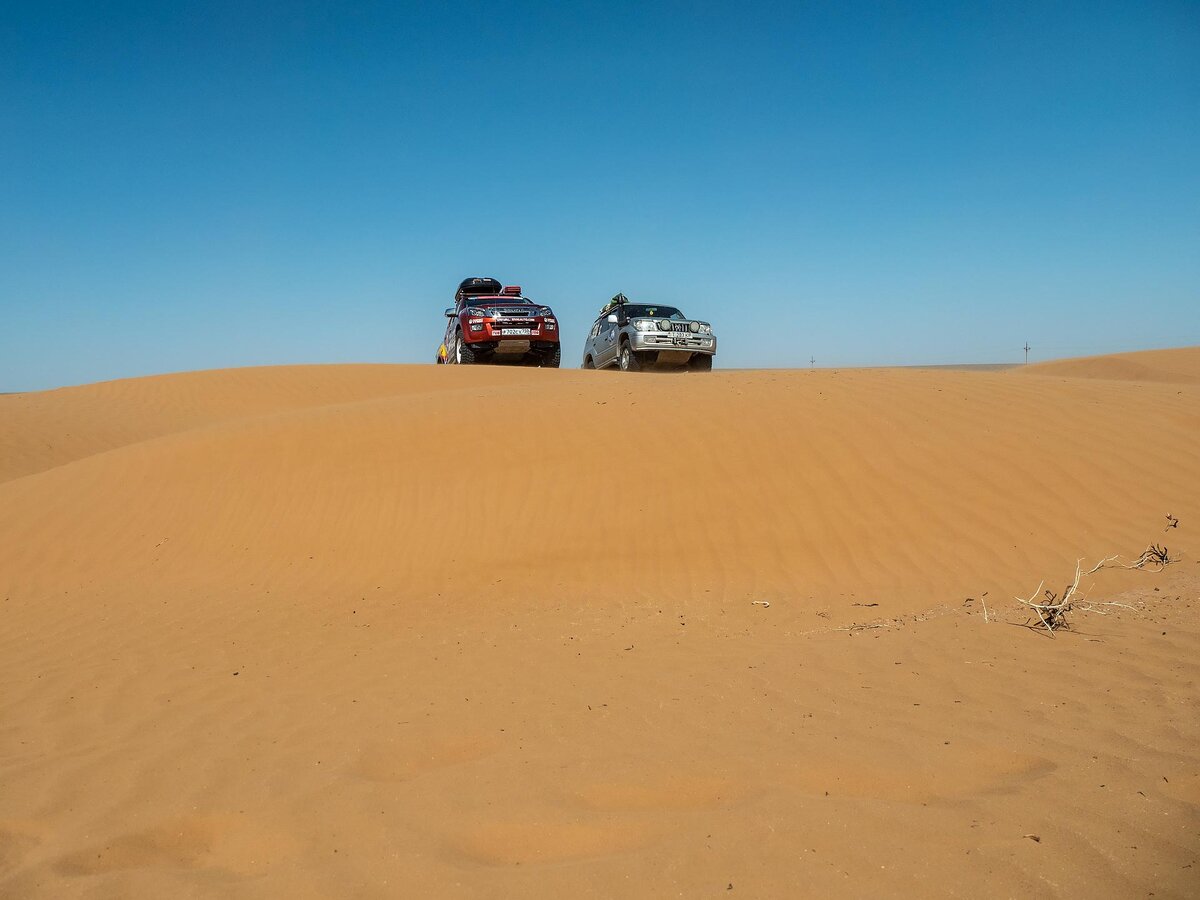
[
  {"x": 618, "y": 300},
  {"x": 477, "y": 287}
]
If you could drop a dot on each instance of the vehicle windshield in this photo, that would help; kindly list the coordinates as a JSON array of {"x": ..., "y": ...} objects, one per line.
[{"x": 641, "y": 311}]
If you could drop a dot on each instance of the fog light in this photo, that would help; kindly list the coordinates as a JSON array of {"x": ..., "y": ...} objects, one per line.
[
  {"x": 550, "y": 326},
  {"x": 664, "y": 325}
]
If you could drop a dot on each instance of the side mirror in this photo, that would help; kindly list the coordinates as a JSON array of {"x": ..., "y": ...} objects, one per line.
[
  {"x": 450, "y": 312},
  {"x": 612, "y": 317}
]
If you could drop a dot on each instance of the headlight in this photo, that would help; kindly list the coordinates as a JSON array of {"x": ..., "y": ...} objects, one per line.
[
  {"x": 546, "y": 311},
  {"x": 643, "y": 325},
  {"x": 705, "y": 329},
  {"x": 476, "y": 311},
  {"x": 664, "y": 325},
  {"x": 695, "y": 327}
]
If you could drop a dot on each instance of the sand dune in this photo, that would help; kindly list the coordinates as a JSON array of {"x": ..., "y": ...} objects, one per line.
[
  {"x": 41, "y": 431},
  {"x": 428, "y": 631},
  {"x": 1178, "y": 366}
]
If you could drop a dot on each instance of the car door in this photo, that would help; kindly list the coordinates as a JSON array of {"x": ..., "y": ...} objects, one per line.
[
  {"x": 589, "y": 343},
  {"x": 606, "y": 342}
]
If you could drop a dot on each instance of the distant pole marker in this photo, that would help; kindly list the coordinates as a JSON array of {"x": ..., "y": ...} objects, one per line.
[{"x": 1027, "y": 353}]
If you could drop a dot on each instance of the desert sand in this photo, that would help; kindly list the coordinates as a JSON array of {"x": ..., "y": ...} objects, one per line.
[{"x": 418, "y": 631}]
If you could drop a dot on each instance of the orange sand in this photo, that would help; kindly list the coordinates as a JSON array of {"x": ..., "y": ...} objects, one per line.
[{"x": 392, "y": 631}]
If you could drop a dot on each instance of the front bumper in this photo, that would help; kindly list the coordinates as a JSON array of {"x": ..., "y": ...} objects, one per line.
[
  {"x": 676, "y": 341},
  {"x": 514, "y": 346},
  {"x": 536, "y": 333}
]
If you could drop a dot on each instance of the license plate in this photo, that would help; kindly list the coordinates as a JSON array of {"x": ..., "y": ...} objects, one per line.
[{"x": 514, "y": 331}]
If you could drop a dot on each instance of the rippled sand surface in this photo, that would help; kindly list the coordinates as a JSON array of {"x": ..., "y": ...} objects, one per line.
[{"x": 380, "y": 631}]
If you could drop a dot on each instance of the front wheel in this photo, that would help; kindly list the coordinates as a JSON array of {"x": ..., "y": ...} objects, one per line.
[
  {"x": 628, "y": 360},
  {"x": 463, "y": 354},
  {"x": 701, "y": 362}
]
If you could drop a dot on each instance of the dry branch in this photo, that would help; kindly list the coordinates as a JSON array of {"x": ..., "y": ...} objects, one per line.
[{"x": 1053, "y": 612}]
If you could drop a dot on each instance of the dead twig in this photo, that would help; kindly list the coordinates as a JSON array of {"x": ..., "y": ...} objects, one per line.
[
  {"x": 1153, "y": 555},
  {"x": 1053, "y": 612}
]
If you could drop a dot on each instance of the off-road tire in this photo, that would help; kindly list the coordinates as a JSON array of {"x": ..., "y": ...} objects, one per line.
[
  {"x": 701, "y": 362},
  {"x": 463, "y": 354},
  {"x": 553, "y": 359},
  {"x": 588, "y": 363},
  {"x": 627, "y": 360}
]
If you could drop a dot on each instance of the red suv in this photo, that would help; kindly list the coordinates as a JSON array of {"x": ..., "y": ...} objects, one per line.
[{"x": 491, "y": 323}]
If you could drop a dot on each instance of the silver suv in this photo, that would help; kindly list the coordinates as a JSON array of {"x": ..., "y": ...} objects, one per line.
[{"x": 634, "y": 336}]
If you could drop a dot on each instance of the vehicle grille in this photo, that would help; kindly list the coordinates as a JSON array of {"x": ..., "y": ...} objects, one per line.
[{"x": 681, "y": 326}]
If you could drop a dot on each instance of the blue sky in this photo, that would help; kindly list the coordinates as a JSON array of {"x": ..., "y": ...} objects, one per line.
[{"x": 199, "y": 185}]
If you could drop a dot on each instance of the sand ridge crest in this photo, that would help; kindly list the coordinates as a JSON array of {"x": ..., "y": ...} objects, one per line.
[{"x": 1174, "y": 366}]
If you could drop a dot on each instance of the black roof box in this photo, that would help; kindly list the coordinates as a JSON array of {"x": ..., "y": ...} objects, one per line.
[{"x": 478, "y": 287}]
